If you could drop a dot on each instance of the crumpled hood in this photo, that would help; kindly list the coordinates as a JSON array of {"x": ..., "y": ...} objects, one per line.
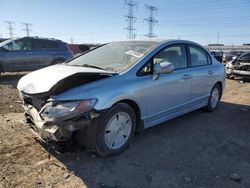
[{"x": 43, "y": 80}]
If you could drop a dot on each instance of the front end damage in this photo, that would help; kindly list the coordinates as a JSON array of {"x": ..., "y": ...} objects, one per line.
[
  {"x": 58, "y": 120},
  {"x": 53, "y": 123},
  {"x": 237, "y": 68}
]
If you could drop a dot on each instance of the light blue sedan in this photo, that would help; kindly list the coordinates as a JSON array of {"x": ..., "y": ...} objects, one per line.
[{"x": 105, "y": 96}]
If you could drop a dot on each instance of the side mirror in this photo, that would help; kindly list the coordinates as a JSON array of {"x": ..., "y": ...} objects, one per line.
[{"x": 162, "y": 68}]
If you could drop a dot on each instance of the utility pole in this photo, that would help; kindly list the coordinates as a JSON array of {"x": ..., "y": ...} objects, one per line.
[
  {"x": 10, "y": 28},
  {"x": 218, "y": 36},
  {"x": 71, "y": 40},
  {"x": 27, "y": 28},
  {"x": 151, "y": 21},
  {"x": 130, "y": 18}
]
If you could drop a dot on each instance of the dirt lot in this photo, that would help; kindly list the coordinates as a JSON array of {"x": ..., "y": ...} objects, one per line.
[{"x": 196, "y": 150}]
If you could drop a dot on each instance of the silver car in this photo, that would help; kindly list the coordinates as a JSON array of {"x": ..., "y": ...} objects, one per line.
[{"x": 105, "y": 96}]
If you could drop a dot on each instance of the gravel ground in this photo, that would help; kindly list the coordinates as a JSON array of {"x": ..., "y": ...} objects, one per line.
[{"x": 195, "y": 150}]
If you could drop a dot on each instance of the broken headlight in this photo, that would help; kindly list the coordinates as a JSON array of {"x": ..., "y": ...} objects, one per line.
[{"x": 55, "y": 110}]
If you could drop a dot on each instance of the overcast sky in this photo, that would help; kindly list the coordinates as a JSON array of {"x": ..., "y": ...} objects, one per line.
[{"x": 103, "y": 21}]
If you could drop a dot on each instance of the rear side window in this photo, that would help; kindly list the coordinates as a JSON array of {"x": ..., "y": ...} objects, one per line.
[
  {"x": 198, "y": 56},
  {"x": 43, "y": 44}
]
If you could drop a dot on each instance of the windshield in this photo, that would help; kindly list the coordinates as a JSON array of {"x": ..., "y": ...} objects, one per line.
[{"x": 115, "y": 56}]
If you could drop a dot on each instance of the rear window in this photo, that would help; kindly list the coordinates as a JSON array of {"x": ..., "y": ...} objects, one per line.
[
  {"x": 198, "y": 56},
  {"x": 245, "y": 57}
]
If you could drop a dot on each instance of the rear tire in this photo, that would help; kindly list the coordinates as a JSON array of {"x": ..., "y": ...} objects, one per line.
[
  {"x": 58, "y": 61},
  {"x": 214, "y": 98},
  {"x": 1, "y": 69},
  {"x": 116, "y": 129}
]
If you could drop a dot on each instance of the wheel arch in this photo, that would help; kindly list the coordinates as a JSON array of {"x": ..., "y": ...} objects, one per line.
[
  {"x": 136, "y": 108},
  {"x": 219, "y": 83}
]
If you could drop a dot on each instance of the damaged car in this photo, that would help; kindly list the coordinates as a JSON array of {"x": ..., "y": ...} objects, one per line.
[
  {"x": 105, "y": 96},
  {"x": 239, "y": 67}
]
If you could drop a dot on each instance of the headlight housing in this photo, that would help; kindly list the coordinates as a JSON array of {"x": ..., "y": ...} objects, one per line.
[{"x": 66, "y": 109}]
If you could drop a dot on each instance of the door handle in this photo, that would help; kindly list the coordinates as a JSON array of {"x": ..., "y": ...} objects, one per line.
[
  {"x": 210, "y": 72},
  {"x": 186, "y": 76}
]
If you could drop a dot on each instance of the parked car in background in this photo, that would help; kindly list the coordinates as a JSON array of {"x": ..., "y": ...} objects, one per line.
[
  {"x": 78, "y": 49},
  {"x": 229, "y": 56},
  {"x": 104, "y": 96},
  {"x": 32, "y": 53},
  {"x": 218, "y": 55},
  {"x": 239, "y": 67}
]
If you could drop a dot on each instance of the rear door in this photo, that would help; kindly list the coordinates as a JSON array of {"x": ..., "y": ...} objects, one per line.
[
  {"x": 203, "y": 74},
  {"x": 43, "y": 52},
  {"x": 18, "y": 55}
]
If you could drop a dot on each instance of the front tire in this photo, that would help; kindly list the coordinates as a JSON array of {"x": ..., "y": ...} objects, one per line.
[
  {"x": 214, "y": 98},
  {"x": 116, "y": 129}
]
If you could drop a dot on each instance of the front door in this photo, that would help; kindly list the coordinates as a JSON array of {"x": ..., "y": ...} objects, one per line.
[
  {"x": 169, "y": 95},
  {"x": 17, "y": 56}
]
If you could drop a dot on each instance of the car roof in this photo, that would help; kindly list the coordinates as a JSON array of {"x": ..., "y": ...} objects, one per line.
[
  {"x": 42, "y": 38},
  {"x": 161, "y": 41}
]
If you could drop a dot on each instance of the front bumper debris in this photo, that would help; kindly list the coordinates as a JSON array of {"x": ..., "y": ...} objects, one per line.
[
  {"x": 239, "y": 73},
  {"x": 238, "y": 69},
  {"x": 57, "y": 130}
]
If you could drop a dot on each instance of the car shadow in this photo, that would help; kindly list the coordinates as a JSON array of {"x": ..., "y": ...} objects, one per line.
[
  {"x": 196, "y": 149},
  {"x": 11, "y": 78}
]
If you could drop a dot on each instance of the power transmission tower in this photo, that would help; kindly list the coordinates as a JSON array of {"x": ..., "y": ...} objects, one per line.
[
  {"x": 130, "y": 18},
  {"x": 10, "y": 28},
  {"x": 151, "y": 21},
  {"x": 27, "y": 28}
]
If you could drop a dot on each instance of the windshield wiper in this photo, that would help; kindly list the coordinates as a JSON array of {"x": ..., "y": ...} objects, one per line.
[
  {"x": 90, "y": 66},
  {"x": 96, "y": 67}
]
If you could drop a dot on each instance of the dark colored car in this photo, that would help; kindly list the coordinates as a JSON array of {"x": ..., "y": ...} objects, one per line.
[
  {"x": 218, "y": 55},
  {"x": 239, "y": 67},
  {"x": 31, "y": 53},
  {"x": 228, "y": 56}
]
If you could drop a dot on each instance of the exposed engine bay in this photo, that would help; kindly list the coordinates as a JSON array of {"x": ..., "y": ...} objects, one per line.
[{"x": 238, "y": 68}]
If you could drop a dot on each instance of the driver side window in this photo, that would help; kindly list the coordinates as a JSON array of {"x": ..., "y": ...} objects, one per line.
[
  {"x": 18, "y": 45},
  {"x": 173, "y": 54}
]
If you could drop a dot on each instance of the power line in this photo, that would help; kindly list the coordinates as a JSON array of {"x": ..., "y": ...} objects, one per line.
[
  {"x": 10, "y": 28},
  {"x": 130, "y": 19},
  {"x": 151, "y": 21},
  {"x": 27, "y": 28}
]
